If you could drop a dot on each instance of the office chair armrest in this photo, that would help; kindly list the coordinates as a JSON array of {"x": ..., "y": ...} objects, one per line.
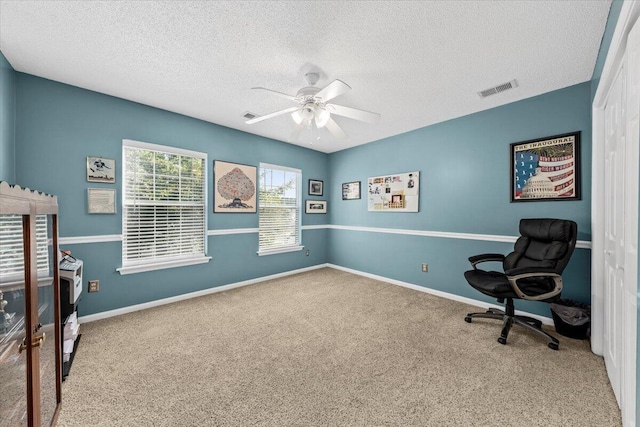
[
  {"x": 477, "y": 259},
  {"x": 516, "y": 274}
]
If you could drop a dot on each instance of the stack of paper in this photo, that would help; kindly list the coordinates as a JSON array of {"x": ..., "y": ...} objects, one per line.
[
  {"x": 71, "y": 329},
  {"x": 67, "y": 349},
  {"x": 72, "y": 319}
]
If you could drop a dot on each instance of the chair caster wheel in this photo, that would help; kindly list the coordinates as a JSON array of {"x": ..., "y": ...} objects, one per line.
[
  {"x": 502, "y": 340},
  {"x": 553, "y": 346},
  {"x": 467, "y": 319}
]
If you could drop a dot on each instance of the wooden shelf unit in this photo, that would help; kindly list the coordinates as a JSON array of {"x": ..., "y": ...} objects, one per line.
[{"x": 30, "y": 361}]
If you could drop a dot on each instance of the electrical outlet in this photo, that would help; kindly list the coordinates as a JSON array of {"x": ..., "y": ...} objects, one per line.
[
  {"x": 425, "y": 268},
  {"x": 94, "y": 285},
  {"x": 306, "y": 252}
]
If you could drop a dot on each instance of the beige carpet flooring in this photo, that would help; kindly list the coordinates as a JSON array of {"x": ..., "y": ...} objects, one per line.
[{"x": 327, "y": 348}]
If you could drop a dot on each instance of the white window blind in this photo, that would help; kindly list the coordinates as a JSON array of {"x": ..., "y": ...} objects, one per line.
[
  {"x": 12, "y": 248},
  {"x": 164, "y": 204},
  {"x": 280, "y": 203}
]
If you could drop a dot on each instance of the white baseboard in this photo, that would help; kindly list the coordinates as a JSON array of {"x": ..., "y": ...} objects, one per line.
[
  {"x": 157, "y": 303},
  {"x": 470, "y": 301}
]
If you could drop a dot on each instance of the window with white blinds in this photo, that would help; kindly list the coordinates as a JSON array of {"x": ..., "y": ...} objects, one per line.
[
  {"x": 164, "y": 205},
  {"x": 280, "y": 203},
  {"x": 12, "y": 248}
]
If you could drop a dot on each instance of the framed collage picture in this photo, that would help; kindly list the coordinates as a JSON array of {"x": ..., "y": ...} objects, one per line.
[{"x": 399, "y": 192}]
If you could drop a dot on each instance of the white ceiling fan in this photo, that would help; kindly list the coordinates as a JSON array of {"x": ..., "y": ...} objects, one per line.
[{"x": 313, "y": 110}]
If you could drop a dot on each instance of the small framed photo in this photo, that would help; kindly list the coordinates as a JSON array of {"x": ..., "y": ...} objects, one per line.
[
  {"x": 101, "y": 169},
  {"x": 316, "y": 207},
  {"x": 101, "y": 200},
  {"x": 315, "y": 187},
  {"x": 546, "y": 169},
  {"x": 351, "y": 190}
]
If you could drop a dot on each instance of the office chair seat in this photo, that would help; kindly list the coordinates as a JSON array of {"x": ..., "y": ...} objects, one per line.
[
  {"x": 492, "y": 283},
  {"x": 496, "y": 284}
]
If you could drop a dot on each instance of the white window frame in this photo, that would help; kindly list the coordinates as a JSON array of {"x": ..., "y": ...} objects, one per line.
[
  {"x": 288, "y": 248},
  {"x": 149, "y": 265}
]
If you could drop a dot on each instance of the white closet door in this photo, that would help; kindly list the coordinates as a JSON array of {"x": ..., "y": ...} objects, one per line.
[
  {"x": 614, "y": 229},
  {"x": 630, "y": 299}
]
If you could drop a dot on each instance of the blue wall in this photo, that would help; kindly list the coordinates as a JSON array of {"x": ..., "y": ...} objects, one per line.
[
  {"x": 464, "y": 188},
  {"x": 59, "y": 125},
  {"x": 7, "y": 120}
]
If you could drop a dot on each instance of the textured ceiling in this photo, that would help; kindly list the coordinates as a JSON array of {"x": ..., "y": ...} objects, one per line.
[{"x": 415, "y": 63}]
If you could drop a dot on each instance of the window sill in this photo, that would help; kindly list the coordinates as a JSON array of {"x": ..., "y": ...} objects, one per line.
[
  {"x": 280, "y": 250},
  {"x": 141, "y": 268}
]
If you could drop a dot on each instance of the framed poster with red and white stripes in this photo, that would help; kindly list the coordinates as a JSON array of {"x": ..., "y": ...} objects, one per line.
[{"x": 546, "y": 169}]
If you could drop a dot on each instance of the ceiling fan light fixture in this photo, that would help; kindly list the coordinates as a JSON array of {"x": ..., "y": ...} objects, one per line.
[
  {"x": 322, "y": 117},
  {"x": 304, "y": 116},
  {"x": 297, "y": 117},
  {"x": 307, "y": 113}
]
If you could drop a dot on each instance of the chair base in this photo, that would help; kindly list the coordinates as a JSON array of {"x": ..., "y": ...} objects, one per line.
[{"x": 509, "y": 318}]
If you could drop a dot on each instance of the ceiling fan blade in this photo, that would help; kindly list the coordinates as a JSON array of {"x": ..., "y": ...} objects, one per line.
[
  {"x": 283, "y": 95},
  {"x": 274, "y": 114},
  {"x": 296, "y": 133},
  {"x": 333, "y": 89},
  {"x": 353, "y": 113},
  {"x": 335, "y": 130}
]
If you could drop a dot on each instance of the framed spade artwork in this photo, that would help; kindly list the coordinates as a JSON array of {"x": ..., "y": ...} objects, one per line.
[{"x": 234, "y": 187}]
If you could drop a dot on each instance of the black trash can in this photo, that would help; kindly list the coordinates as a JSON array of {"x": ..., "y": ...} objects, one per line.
[{"x": 572, "y": 319}]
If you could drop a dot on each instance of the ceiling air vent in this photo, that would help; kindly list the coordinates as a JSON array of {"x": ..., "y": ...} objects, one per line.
[
  {"x": 497, "y": 89},
  {"x": 247, "y": 115}
]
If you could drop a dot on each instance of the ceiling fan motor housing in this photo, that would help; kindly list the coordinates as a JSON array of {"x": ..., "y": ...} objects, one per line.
[
  {"x": 312, "y": 78},
  {"x": 307, "y": 92}
]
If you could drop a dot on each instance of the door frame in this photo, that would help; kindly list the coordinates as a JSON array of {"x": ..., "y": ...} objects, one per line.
[{"x": 615, "y": 57}]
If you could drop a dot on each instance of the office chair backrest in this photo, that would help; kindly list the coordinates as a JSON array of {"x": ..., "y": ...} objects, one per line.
[{"x": 544, "y": 242}]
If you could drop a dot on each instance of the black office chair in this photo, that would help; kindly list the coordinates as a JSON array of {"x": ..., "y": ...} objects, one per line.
[{"x": 533, "y": 271}]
